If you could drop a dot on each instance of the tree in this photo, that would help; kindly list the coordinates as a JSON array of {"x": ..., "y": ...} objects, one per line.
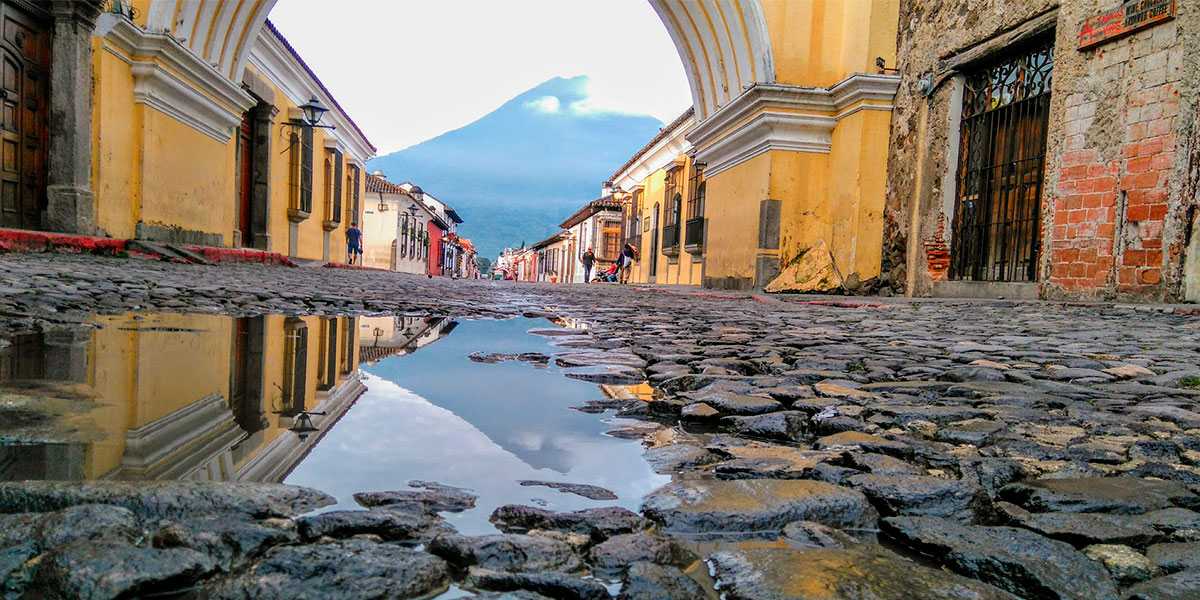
[{"x": 484, "y": 263}]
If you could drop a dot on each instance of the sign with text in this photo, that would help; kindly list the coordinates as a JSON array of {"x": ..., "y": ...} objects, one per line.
[{"x": 1131, "y": 16}]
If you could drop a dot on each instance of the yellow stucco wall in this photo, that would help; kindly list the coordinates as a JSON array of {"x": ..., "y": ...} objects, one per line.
[
  {"x": 732, "y": 207},
  {"x": 310, "y": 240},
  {"x": 688, "y": 268},
  {"x": 131, "y": 390},
  {"x": 187, "y": 177},
  {"x": 115, "y": 158},
  {"x": 821, "y": 42},
  {"x": 150, "y": 168}
]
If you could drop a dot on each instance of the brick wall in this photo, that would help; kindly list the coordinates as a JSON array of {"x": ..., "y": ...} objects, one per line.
[
  {"x": 1124, "y": 143},
  {"x": 1112, "y": 202}
]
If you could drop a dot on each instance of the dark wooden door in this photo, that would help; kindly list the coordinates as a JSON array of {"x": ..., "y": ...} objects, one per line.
[
  {"x": 245, "y": 155},
  {"x": 24, "y": 85}
]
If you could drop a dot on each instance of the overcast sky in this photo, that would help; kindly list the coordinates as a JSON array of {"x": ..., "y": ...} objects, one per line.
[{"x": 409, "y": 70}]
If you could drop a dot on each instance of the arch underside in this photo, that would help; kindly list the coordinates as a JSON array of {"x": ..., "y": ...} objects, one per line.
[{"x": 722, "y": 44}]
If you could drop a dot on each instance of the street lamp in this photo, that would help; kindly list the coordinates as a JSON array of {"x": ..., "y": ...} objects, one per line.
[
  {"x": 313, "y": 111},
  {"x": 377, "y": 332},
  {"x": 303, "y": 426}
]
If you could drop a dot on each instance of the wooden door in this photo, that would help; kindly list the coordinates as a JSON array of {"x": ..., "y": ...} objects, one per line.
[
  {"x": 24, "y": 86},
  {"x": 245, "y": 154}
]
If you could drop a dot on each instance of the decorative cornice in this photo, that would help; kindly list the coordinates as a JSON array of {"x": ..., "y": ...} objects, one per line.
[
  {"x": 786, "y": 117},
  {"x": 173, "y": 80},
  {"x": 276, "y": 63},
  {"x": 160, "y": 89}
]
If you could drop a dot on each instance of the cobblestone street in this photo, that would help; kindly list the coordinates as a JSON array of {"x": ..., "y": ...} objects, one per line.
[{"x": 1036, "y": 449}]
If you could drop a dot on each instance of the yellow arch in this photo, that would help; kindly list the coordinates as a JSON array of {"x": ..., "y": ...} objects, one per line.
[{"x": 723, "y": 44}]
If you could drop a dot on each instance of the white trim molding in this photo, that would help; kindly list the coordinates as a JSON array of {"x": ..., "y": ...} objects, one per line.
[
  {"x": 786, "y": 117},
  {"x": 275, "y": 63},
  {"x": 662, "y": 153},
  {"x": 171, "y": 79},
  {"x": 161, "y": 90}
]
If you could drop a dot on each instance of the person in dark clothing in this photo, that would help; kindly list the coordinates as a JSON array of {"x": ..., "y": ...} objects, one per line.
[
  {"x": 354, "y": 243},
  {"x": 628, "y": 255},
  {"x": 588, "y": 260}
]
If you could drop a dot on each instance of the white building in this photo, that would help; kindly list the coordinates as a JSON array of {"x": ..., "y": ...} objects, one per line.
[
  {"x": 597, "y": 226},
  {"x": 396, "y": 228}
]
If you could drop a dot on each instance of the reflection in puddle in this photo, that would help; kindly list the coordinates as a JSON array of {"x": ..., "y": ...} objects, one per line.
[
  {"x": 211, "y": 398},
  {"x": 195, "y": 397},
  {"x": 437, "y": 415}
]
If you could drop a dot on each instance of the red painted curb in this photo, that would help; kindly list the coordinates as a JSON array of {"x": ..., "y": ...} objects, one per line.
[
  {"x": 22, "y": 241},
  {"x": 241, "y": 255}
]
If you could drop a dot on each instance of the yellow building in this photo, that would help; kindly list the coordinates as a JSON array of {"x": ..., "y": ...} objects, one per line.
[
  {"x": 236, "y": 414},
  {"x": 791, "y": 120},
  {"x": 662, "y": 190},
  {"x": 173, "y": 137}
]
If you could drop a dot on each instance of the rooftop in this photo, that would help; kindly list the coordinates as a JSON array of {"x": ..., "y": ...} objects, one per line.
[{"x": 590, "y": 209}]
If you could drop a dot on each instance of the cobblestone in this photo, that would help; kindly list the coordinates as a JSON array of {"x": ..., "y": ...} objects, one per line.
[{"x": 1013, "y": 418}]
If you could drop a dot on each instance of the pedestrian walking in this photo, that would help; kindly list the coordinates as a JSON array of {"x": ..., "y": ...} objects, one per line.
[
  {"x": 589, "y": 259},
  {"x": 354, "y": 239},
  {"x": 628, "y": 255}
]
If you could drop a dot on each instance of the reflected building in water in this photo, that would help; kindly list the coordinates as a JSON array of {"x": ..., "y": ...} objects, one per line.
[
  {"x": 197, "y": 397},
  {"x": 381, "y": 337}
]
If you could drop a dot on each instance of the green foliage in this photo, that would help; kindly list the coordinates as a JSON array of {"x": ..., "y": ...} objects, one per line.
[{"x": 1190, "y": 382}]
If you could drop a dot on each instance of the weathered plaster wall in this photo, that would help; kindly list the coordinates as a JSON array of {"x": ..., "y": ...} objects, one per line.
[
  {"x": 917, "y": 167},
  {"x": 1118, "y": 200}
]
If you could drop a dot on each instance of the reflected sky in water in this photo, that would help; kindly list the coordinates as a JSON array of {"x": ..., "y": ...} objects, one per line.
[{"x": 435, "y": 415}]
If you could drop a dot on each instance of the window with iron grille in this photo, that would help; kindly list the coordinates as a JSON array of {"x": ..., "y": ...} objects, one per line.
[
  {"x": 337, "y": 187},
  {"x": 632, "y": 226},
  {"x": 404, "y": 235},
  {"x": 327, "y": 174},
  {"x": 693, "y": 235},
  {"x": 1005, "y": 116},
  {"x": 672, "y": 194},
  {"x": 295, "y": 366},
  {"x": 300, "y": 171},
  {"x": 612, "y": 243},
  {"x": 356, "y": 174}
]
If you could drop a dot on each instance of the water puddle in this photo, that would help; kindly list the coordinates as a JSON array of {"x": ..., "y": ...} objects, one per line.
[{"x": 341, "y": 404}]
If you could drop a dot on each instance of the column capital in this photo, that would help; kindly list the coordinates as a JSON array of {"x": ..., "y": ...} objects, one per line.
[{"x": 80, "y": 12}]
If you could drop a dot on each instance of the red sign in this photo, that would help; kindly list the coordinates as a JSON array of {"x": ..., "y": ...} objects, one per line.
[{"x": 1131, "y": 16}]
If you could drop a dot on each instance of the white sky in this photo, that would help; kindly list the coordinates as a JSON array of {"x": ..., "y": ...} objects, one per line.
[{"x": 409, "y": 70}]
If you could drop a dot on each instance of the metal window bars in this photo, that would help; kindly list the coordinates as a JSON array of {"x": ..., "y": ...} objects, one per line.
[{"x": 996, "y": 234}]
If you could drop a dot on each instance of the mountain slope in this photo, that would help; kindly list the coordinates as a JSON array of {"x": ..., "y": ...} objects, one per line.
[{"x": 516, "y": 173}]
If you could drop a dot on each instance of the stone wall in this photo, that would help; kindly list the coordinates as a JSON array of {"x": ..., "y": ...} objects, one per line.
[{"x": 1116, "y": 204}]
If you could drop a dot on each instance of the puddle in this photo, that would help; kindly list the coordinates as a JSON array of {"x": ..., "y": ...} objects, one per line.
[{"x": 341, "y": 404}]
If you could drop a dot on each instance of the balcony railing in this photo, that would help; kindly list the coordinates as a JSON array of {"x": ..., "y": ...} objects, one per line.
[
  {"x": 693, "y": 235},
  {"x": 670, "y": 238}
]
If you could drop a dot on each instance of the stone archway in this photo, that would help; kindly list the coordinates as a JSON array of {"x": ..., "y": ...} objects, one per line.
[{"x": 723, "y": 44}]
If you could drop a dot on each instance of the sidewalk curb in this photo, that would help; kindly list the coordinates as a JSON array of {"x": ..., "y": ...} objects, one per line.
[{"x": 19, "y": 241}]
